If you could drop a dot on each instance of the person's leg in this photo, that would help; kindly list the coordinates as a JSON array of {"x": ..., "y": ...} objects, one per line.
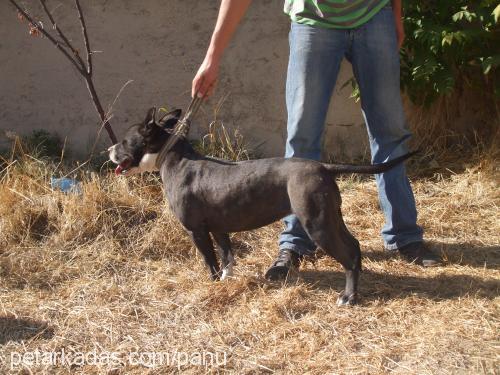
[
  {"x": 314, "y": 62},
  {"x": 374, "y": 55}
]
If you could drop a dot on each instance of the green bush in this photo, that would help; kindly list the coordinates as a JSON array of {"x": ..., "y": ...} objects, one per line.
[{"x": 450, "y": 42}]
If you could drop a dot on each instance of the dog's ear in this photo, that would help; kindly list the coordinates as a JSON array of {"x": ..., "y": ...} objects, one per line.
[
  {"x": 169, "y": 119},
  {"x": 150, "y": 117},
  {"x": 149, "y": 122}
]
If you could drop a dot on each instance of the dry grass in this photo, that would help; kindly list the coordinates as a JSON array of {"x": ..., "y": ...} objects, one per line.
[
  {"x": 449, "y": 123},
  {"x": 220, "y": 142},
  {"x": 112, "y": 270}
]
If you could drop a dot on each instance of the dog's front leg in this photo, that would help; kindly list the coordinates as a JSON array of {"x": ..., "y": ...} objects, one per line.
[
  {"x": 227, "y": 258},
  {"x": 203, "y": 242}
]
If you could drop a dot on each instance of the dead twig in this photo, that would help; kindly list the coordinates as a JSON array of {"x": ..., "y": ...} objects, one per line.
[
  {"x": 85, "y": 37},
  {"x": 61, "y": 34},
  {"x": 56, "y": 43},
  {"x": 72, "y": 54}
]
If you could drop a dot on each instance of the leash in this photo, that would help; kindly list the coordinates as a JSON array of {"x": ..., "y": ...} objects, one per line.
[{"x": 180, "y": 130}]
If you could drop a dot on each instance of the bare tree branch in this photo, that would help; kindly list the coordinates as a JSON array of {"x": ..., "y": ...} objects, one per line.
[
  {"x": 76, "y": 60},
  {"x": 58, "y": 45},
  {"x": 61, "y": 34},
  {"x": 85, "y": 36}
]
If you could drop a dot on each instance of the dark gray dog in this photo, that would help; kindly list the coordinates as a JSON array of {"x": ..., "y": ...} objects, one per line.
[{"x": 219, "y": 197}]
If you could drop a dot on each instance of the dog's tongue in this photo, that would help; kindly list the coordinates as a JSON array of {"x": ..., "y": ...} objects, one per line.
[
  {"x": 118, "y": 170},
  {"x": 122, "y": 166}
]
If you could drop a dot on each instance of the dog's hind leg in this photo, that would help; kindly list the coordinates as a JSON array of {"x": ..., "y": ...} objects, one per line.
[
  {"x": 350, "y": 294},
  {"x": 343, "y": 247},
  {"x": 203, "y": 242},
  {"x": 326, "y": 228},
  {"x": 224, "y": 243}
]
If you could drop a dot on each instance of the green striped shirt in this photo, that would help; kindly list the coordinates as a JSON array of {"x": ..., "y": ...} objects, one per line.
[{"x": 341, "y": 14}]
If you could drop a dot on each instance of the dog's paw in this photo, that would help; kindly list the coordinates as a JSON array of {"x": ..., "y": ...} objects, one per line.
[
  {"x": 347, "y": 299},
  {"x": 227, "y": 272}
]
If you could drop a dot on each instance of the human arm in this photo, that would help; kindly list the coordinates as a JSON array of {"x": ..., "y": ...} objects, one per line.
[
  {"x": 230, "y": 14},
  {"x": 397, "y": 9}
]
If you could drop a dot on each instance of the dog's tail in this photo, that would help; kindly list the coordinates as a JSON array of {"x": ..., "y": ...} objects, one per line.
[{"x": 369, "y": 169}]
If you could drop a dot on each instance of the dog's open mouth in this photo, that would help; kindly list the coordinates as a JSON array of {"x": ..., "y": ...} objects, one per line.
[{"x": 123, "y": 167}]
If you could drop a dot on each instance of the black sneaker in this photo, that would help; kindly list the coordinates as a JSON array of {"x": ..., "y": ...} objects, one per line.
[
  {"x": 419, "y": 253},
  {"x": 287, "y": 260}
]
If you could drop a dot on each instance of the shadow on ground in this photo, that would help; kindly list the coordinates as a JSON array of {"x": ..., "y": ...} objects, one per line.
[
  {"x": 385, "y": 286},
  {"x": 20, "y": 329},
  {"x": 389, "y": 286},
  {"x": 466, "y": 254}
]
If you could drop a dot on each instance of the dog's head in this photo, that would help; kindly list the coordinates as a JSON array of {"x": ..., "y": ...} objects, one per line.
[{"x": 138, "y": 150}]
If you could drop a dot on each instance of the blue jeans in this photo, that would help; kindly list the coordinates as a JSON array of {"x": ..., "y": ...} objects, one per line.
[{"x": 315, "y": 57}]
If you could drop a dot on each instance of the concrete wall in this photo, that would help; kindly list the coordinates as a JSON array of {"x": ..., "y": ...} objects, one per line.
[{"x": 159, "y": 45}]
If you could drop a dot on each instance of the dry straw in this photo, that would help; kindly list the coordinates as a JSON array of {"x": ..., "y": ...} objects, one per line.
[{"x": 112, "y": 270}]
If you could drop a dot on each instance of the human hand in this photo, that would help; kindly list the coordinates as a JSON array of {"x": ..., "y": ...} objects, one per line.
[{"x": 206, "y": 78}]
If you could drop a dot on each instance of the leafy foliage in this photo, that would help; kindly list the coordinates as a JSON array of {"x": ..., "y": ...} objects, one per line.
[
  {"x": 447, "y": 42},
  {"x": 355, "y": 93}
]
